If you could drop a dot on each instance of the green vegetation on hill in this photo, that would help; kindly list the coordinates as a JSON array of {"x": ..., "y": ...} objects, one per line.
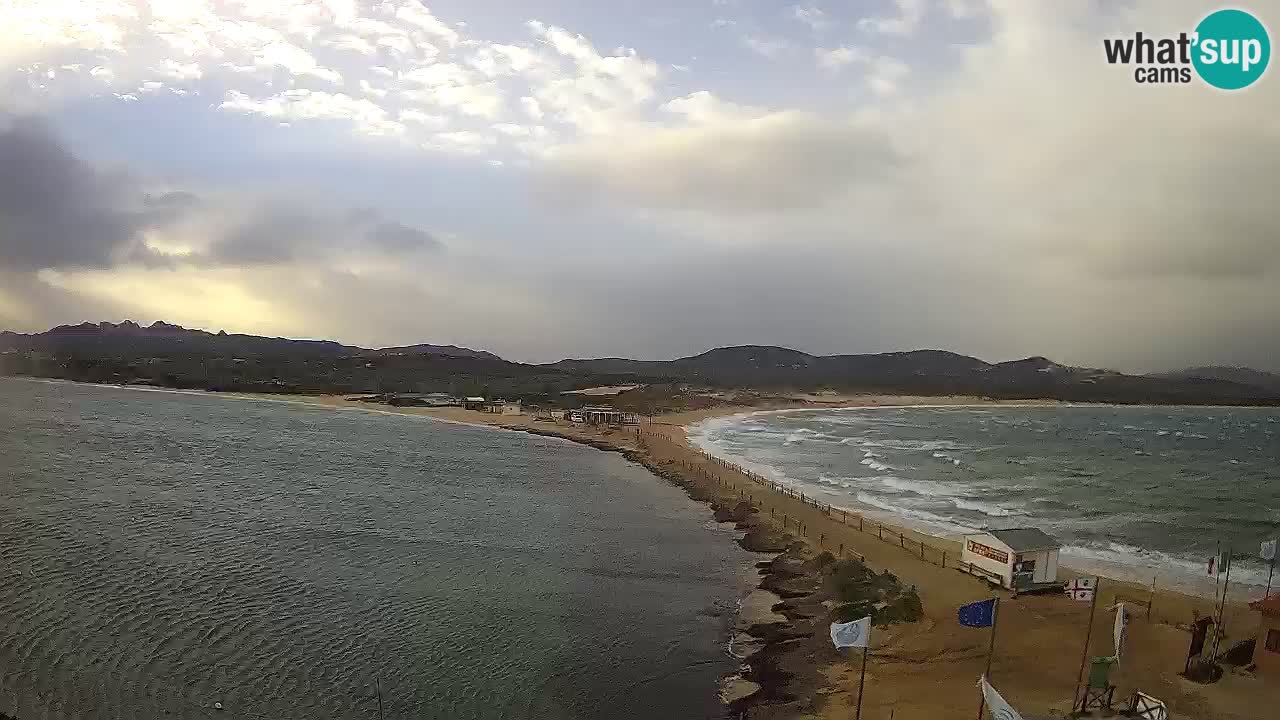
[{"x": 172, "y": 356}]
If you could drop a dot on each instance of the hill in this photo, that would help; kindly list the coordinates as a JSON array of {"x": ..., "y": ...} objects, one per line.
[
  {"x": 170, "y": 355},
  {"x": 1241, "y": 375}
]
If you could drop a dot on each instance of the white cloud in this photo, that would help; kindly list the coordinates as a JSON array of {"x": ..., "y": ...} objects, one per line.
[
  {"x": 810, "y": 15},
  {"x": 763, "y": 45},
  {"x": 180, "y": 71},
  {"x": 414, "y": 13},
  {"x": 295, "y": 60},
  {"x": 365, "y": 116},
  {"x": 531, "y": 107},
  {"x": 963, "y": 8},
  {"x": 886, "y": 74},
  {"x": 906, "y": 22},
  {"x": 834, "y": 59}
]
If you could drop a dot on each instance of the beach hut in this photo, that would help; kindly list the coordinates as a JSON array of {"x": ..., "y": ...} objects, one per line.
[{"x": 1021, "y": 559}]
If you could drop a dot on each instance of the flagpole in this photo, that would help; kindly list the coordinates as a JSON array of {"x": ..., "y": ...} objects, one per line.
[
  {"x": 862, "y": 678},
  {"x": 1222, "y": 608},
  {"x": 1270, "y": 573},
  {"x": 1088, "y": 633},
  {"x": 995, "y": 615},
  {"x": 1217, "y": 571}
]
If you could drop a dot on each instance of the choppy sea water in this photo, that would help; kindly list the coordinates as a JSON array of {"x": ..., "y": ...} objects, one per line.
[
  {"x": 160, "y": 552},
  {"x": 1145, "y": 492}
]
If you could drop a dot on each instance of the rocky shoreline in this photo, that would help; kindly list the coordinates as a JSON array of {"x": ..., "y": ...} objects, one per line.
[{"x": 785, "y": 667}]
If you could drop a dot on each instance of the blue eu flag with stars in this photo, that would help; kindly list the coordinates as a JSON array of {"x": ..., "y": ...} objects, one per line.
[{"x": 978, "y": 614}]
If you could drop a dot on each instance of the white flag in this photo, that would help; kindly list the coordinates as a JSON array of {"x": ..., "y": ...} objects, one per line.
[
  {"x": 1121, "y": 626},
  {"x": 1269, "y": 550},
  {"x": 996, "y": 705},
  {"x": 851, "y": 634},
  {"x": 1082, "y": 588}
]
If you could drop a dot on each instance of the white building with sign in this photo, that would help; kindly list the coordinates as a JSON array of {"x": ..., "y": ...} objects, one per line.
[{"x": 1022, "y": 559}]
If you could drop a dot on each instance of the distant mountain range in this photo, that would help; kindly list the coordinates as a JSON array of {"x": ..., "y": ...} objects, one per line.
[
  {"x": 160, "y": 335},
  {"x": 167, "y": 354},
  {"x": 1242, "y": 375}
]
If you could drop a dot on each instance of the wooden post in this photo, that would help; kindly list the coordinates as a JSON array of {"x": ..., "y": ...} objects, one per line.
[
  {"x": 1270, "y": 573},
  {"x": 862, "y": 678},
  {"x": 1088, "y": 632},
  {"x": 944, "y": 558},
  {"x": 995, "y": 615},
  {"x": 379, "y": 686}
]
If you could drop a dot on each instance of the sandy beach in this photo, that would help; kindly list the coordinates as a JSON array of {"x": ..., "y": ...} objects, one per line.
[{"x": 924, "y": 670}]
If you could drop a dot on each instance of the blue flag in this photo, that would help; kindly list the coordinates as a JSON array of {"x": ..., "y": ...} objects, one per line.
[{"x": 978, "y": 614}]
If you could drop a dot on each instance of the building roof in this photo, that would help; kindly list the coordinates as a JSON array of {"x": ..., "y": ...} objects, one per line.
[
  {"x": 1269, "y": 607},
  {"x": 1026, "y": 539}
]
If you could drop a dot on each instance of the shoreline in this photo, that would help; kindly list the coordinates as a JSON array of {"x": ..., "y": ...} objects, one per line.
[
  {"x": 1075, "y": 560},
  {"x": 923, "y": 670},
  {"x": 1164, "y": 614}
]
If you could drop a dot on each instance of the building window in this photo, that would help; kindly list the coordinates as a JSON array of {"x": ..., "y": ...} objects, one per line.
[{"x": 1273, "y": 641}]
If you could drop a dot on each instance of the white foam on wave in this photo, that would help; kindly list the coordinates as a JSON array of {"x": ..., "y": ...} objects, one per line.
[
  {"x": 986, "y": 508},
  {"x": 947, "y": 457},
  {"x": 1136, "y": 564},
  {"x": 927, "y": 506},
  {"x": 926, "y": 488},
  {"x": 875, "y": 464}
]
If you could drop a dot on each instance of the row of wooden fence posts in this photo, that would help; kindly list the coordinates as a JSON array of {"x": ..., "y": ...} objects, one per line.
[{"x": 824, "y": 508}]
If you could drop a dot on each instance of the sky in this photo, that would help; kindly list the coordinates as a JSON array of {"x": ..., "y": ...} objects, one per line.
[{"x": 577, "y": 178}]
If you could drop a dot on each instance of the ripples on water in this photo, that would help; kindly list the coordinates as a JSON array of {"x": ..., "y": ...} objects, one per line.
[
  {"x": 162, "y": 552},
  {"x": 1149, "y": 489}
]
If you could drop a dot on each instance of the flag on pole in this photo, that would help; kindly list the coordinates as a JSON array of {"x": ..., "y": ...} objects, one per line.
[
  {"x": 999, "y": 709},
  {"x": 1269, "y": 550},
  {"x": 851, "y": 634},
  {"x": 1121, "y": 626},
  {"x": 1082, "y": 588},
  {"x": 978, "y": 614}
]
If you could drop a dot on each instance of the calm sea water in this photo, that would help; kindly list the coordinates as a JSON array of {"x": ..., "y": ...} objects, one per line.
[
  {"x": 1144, "y": 491},
  {"x": 160, "y": 552}
]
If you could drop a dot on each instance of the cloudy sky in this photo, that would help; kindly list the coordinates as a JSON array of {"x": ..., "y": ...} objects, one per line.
[{"x": 574, "y": 178}]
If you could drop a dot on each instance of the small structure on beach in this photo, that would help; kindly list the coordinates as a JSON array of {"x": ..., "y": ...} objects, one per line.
[
  {"x": 1266, "y": 652},
  {"x": 1020, "y": 559},
  {"x": 504, "y": 407},
  {"x": 604, "y": 415},
  {"x": 474, "y": 402}
]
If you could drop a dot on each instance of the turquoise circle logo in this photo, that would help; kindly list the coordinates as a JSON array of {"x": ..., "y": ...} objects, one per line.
[{"x": 1232, "y": 49}]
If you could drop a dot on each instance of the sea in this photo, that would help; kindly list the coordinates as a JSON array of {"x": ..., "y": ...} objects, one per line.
[
  {"x": 164, "y": 553},
  {"x": 1147, "y": 494}
]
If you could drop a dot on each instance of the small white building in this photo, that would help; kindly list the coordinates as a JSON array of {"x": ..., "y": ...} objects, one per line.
[{"x": 1021, "y": 559}]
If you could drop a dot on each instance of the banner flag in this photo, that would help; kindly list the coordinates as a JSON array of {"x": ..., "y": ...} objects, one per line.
[
  {"x": 1122, "y": 624},
  {"x": 999, "y": 709},
  {"x": 851, "y": 634},
  {"x": 978, "y": 614},
  {"x": 1082, "y": 588},
  {"x": 1269, "y": 550}
]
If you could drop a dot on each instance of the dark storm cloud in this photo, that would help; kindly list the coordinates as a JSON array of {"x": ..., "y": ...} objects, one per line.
[
  {"x": 280, "y": 234},
  {"x": 398, "y": 238},
  {"x": 58, "y": 212},
  {"x": 55, "y": 211}
]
